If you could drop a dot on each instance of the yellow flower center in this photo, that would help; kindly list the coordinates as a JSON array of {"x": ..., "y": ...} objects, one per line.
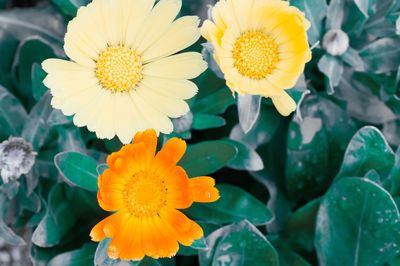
[
  {"x": 255, "y": 55},
  {"x": 119, "y": 68},
  {"x": 145, "y": 194}
]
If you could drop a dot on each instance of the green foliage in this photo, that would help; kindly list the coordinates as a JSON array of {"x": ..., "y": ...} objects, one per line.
[{"x": 320, "y": 187}]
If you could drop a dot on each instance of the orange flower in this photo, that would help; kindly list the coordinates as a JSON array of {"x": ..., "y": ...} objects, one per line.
[{"x": 145, "y": 189}]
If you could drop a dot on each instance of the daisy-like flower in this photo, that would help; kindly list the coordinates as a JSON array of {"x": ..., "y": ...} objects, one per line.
[
  {"x": 145, "y": 189},
  {"x": 16, "y": 158},
  {"x": 125, "y": 75},
  {"x": 261, "y": 47}
]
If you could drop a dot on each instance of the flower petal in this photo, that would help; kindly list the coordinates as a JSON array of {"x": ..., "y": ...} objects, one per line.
[
  {"x": 284, "y": 104},
  {"x": 203, "y": 189},
  {"x": 182, "y": 33},
  {"x": 182, "y": 66}
]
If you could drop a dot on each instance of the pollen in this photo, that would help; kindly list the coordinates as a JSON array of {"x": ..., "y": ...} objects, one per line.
[
  {"x": 255, "y": 55},
  {"x": 145, "y": 194},
  {"x": 119, "y": 68}
]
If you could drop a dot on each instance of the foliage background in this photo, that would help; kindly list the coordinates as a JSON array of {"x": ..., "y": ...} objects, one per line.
[{"x": 321, "y": 187}]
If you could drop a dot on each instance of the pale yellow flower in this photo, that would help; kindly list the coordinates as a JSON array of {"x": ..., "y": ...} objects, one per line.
[
  {"x": 261, "y": 47},
  {"x": 124, "y": 75}
]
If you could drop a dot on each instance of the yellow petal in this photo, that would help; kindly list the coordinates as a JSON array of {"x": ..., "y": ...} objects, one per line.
[
  {"x": 167, "y": 105},
  {"x": 284, "y": 104},
  {"x": 134, "y": 21},
  {"x": 183, "y": 33},
  {"x": 182, "y": 66},
  {"x": 181, "y": 89},
  {"x": 157, "y": 23}
]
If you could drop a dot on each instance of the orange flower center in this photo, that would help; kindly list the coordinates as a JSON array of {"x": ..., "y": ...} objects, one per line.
[
  {"x": 255, "y": 55},
  {"x": 145, "y": 194},
  {"x": 119, "y": 68}
]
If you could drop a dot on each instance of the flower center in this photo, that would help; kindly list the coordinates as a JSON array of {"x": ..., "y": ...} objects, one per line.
[
  {"x": 119, "y": 68},
  {"x": 144, "y": 194},
  {"x": 255, "y": 55}
]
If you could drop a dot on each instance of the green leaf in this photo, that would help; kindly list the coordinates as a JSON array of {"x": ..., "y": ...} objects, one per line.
[
  {"x": 239, "y": 244},
  {"x": 40, "y": 21},
  {"x": 382, "y": 55},
  {"x": 235, "y": 204},
  {"x": 358, "y": 91},
  {"x": 363, "y": 5},
  {"x": 207, "y": 157},
  {"x": 8, "y": 46},
  {"x": 32, "y": 50},
  {"x": 332, "y": 68},
  {"x": 57, "y": 221},
  {"x": 353, "y": 59},
  {"x": 36, "y": 129},
  {"x": 37, "y": 77},
  {"x": 299, "y": 230},
  {"x": 69, "y": 7},
  {"x": 367, "y": 150},
  {"x": 287, "y": 256},
  {"x": 70, "y": 139},
  {"x": 9, "y": 236},
  {"x": 214, "y": 103},
  {"x": 79, "y": 257},
  {"x": 315, "y": 12},
  {"x": 101, "y": 168},
  {"x": 205, "y": 121},
  {"x": 101, "y": 256},
  {"x": 262, "y": 131},
  {"x": 246, "y": 159},
  {"x": 315, "y": 146},
  {"x": 6, "y": 233},
  {"x": 249, "y": 107},
  {"x": 335, "y": 14},
  {"x": 77, "y": 169},
  {"x": 10, "y": 189},
  {"x": 12, "y": 115},
  {"x": 358, "y": 220},
  {"x": 394, "y": 175},
  {"x": 57, "y": 118}
]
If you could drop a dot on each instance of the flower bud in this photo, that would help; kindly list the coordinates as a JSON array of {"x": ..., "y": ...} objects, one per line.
[
  {"x": 16, "y": 158},
  {"x": 335, "y": 42}
]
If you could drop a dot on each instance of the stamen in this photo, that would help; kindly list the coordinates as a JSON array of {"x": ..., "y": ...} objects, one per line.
[
  {"x": 119, "y": 68},
  {"x": 255, "y": 55},
  {"x": 145, "y": 194}
]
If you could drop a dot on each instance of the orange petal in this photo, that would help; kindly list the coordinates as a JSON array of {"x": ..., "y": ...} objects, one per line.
[
  {"x": 109, "y": 200},
  {"x": 185, "y": 230},
  {"x": 99, "y": 232},
  {"x": 177, "y": 183},
  {"x": 119, "y": 154},
  {"x": 175, "y": 148},
  {"x": 170, "y": 243},
  {"x": 149, "y": 240},
  {"x": 109, "y": 179},
  {"x": 149, "y": 139},
  {"x": 121, "y": 246},
  {"x": 162, "y": 164},
  {"x": 203, "y": 189}
]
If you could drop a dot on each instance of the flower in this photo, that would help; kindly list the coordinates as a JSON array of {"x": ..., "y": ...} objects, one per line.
[
  {"x": 125, "y": 75},
  {"x": 145, "y": 190},
  {"x": 261, "y": 47},
  {"x": 16, "y": 158}
]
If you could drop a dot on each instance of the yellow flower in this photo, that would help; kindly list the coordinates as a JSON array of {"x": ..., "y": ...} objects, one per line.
[
  {"x": 261, "y": 47},
  {"x": 145, "y": 189},
  {"x": 125, "y": 75}
]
